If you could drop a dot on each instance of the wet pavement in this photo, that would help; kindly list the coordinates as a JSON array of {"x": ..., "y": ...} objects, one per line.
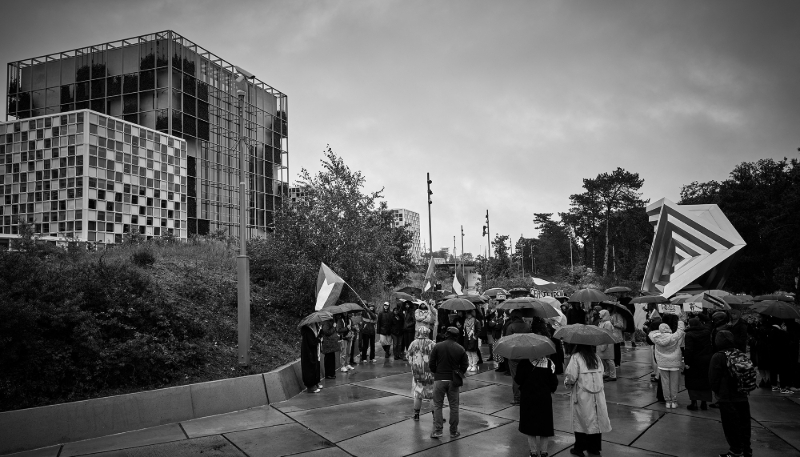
[{"x": 368, "y": 412}]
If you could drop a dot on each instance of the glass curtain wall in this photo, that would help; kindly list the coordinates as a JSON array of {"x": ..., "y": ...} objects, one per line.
[{"x": 165, "y": 82}]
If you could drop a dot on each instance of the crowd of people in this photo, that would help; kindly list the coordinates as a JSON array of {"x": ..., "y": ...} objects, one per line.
[{"x": 443, "y": 346}]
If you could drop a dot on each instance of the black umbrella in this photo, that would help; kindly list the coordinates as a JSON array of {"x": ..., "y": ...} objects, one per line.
[
  {"x": 588, "y": 295},
  {"x": 410, "y": 290},
  {"x": 457, "y": 304},
  {"x": 524, "y": 346},
  {"x": 774, "y": 308},
  {"x": 403, "y": 296},
  {"x": 658, "y": 299},
  {"x": 315, "y": 318},
  {"x": 471, "y": 298},
  {"x": 585, "y": 334},
  {"x": 625, "y": 312},
  {"x": 785, "y": 298},
  {"x": 618, "y": 289},
  {"x": 491, "y": 293}
]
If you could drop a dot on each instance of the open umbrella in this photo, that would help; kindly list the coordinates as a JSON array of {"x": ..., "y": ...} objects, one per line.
[
  {"x": 516, "y": 303},
  {"x": 775, "y": 308},
  {"x": 315, "y": 318},
  {"x": 588, "y": 295},
  {"x": 524, "y": 346},
  {"x": 736, "y": 302},
  {"x": 625, "y": 312},
  {"x": 617, "y": 289},
  {"x": 457, "y": 304},
  {"x": 351, "y": 307},
  {"x": 658, "y": 299},
  {"x": 491, "y": 293},
  {"x": 748, "y": 299},
  {"x": 410, "y": 290},
  {"x": 471, "y": 298},
  {"x": 403, "y": 296},
  {"x": 585, "y": 334},
  {"x": 680, "y": 299},
  {"x": 561, "y": 319},
  {"x": 335, "y": 309},
  {"x": 776, "y": 297},
  {"x": 708, "y": 301}
]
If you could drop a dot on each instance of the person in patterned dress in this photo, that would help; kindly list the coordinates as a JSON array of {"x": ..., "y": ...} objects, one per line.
[{"x": 418, "y": 355}]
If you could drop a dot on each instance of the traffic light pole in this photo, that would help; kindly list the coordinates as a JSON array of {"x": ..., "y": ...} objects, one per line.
[{"x": 488, "y": 234}]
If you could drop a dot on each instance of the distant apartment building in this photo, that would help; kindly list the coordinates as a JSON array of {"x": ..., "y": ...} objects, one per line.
[
  {"x": 297, "y": 193},
  {"x": 409, "y": 219}
]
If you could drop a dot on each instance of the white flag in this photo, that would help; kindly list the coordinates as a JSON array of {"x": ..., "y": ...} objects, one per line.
[{"x": 457, "y": 285}]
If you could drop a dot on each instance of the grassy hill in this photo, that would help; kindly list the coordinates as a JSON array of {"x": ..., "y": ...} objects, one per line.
[{"x": 80, "y": 325}]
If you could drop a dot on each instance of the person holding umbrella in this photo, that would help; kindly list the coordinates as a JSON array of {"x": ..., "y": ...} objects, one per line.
[
  {"x": 310, "y": 351},
  {"x": 385, "y": 329},
  {"x": 606, "y": 351},
  {"x": 330, "y": 345},
  {"x": 537, "y": 381},
  {"x": 517, "y": 325},
  {"x": 584, "y": 378},
  {"x": 618, "y": 326}
]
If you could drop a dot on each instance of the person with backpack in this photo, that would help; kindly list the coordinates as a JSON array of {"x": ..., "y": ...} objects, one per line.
[{"x": 732, "y": 377}]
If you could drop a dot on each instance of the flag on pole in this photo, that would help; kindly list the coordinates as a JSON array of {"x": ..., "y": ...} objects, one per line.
[
  {"x": 457, "y": 285},
  {"x": 429, "y": 276},
  {"x": 329, "y": 286}
]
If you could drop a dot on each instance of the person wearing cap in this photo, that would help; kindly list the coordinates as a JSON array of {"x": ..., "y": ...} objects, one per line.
[
  {"x": 734, "y": 407},
  {"x": 385, "y": 330},
  {"x": 445, "y": 359},
  {"x": 669, "y": 359}
]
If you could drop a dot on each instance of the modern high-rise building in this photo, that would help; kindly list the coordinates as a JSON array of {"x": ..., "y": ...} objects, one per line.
[
  {"x": 168, "y": 85},
  {"x": 409, "y": 219},
  {"x": 86, "y": 176}
]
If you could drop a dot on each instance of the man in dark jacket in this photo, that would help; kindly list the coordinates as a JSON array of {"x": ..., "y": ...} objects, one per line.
[
  {"x": 516, "y": 325},
  {"x": 446, "y": 358},
  {"x": 397, "y": 333},
  {"x": 734, "y": 408},
  {"x": 385, "y": 329},
  {"x": 738, "y": 327},
  {"x": 368, "y": 335}
]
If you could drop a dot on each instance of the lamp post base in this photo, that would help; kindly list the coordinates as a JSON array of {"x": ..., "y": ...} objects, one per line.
[{"x": 243, "y": 308}]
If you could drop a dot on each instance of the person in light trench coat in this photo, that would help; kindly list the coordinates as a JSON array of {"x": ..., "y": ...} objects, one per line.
[{"x": 588, "y": 400}]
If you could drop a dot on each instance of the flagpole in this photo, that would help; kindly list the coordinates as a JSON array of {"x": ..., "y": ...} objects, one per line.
[{"x": 463, "y": 273}]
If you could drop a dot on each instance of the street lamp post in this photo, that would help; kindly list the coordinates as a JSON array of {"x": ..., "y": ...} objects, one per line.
[{"x": 242, "y": 261}]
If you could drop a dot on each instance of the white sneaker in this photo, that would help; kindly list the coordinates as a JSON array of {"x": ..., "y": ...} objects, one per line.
[
  {"x": 350, "y": 367},
  {"x": 372, "y": 361},
  {"x": 343, "y": 369}
]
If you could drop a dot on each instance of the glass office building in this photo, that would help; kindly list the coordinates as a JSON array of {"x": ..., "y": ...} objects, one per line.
[
  {"x": 90, "y": 177},
  {"x": 168, "y": 84}
]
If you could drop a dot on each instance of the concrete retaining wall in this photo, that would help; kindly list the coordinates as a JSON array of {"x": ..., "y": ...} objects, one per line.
[{"x": 48, "y": 425}]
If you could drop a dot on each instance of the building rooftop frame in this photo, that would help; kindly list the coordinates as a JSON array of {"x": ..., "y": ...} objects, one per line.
[{"x": 163, "y": 35}]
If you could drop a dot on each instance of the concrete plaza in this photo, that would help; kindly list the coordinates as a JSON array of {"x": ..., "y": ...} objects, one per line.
[{"x": 368, "y": 412}]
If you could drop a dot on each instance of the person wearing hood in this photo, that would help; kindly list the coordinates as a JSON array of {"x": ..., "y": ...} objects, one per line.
[
  {"x": 698, "y": 358},
  {"x": 516, "y": 325},
  {"x": 738, "y": 327},
  {"x": 606, "y": 351},
  {"x": 330, "y": 346},
  {"x": 385, "y": 329},
  {"x": 734, "y": 408},
  {"x": 425, "y": 316},
  {"x": 584, "y": 377},
  {"x": 418, "y": 355},
  {"x": 669, "y": 359},
  {"x": 719, "y": 320}
]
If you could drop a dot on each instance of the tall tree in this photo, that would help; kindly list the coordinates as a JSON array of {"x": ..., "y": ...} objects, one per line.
[{"x": 615, "y": 191}]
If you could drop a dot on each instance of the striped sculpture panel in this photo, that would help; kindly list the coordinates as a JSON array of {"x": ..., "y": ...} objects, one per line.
[{"x": 693, "y": 248}]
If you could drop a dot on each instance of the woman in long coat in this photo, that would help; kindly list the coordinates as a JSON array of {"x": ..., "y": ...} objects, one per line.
[
  {"x": 697, "y": 358},
  {"x": 418, "y": 355},
  {"x": 409, "y": 322},
  {"x": 584, "y": 376},
  {"x": 309, "y": 357},
  {"x": 606, "y": 351},
  {"x": 537, "y": 381},
  {"x": 472, "y": 327}
]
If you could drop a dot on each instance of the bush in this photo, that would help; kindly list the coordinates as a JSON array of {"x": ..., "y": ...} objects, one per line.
[{"x": 143, "y": 257}]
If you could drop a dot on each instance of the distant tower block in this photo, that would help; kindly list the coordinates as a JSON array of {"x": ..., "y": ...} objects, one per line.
[{"x": 693, "y": 248}]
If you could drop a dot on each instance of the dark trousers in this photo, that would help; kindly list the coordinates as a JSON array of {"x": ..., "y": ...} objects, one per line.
[
  {"x": 735, "y": 417},
  {"x": 367, "y": 342},
  {"x": 779, "y": 374},
  {"x": 588, "y": 442},
  {"x": 617, "y": 354},
  {"x": 397, "y": 346},
  {"x": 408, "y": 337},
  {"x": 353, "y": 350},
  {"x": 330, "y": 364},
  {"x": 440, "y": 389}
]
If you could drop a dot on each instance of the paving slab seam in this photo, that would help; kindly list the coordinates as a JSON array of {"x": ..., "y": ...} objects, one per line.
[
  {"x": 183, "y": 430},
  {"x": 375, "y": 389},
  {"x": 648, "y": 428},
  {"x": 60, "y": 449},
  {"x": 233, "y": 444},
  {"x": 778, "y": 436}
]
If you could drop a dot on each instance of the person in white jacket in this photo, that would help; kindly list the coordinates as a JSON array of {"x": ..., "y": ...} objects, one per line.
[
  {"x": 606, "y": 351},
  {"x": 669, "y": 360}
]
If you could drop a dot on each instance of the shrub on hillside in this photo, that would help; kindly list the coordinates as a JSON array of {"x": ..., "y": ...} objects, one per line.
[{"x": 73, "y": 326}]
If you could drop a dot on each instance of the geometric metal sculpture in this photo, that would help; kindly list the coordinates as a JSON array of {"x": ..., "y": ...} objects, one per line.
[{"x": 693, "y": 248}]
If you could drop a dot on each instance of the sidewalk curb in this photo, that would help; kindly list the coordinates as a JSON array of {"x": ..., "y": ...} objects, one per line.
[{"x": 33, "y": 428}]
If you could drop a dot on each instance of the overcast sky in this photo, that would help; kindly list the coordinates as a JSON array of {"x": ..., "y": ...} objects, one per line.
[{"x": 507, "y": 104}]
